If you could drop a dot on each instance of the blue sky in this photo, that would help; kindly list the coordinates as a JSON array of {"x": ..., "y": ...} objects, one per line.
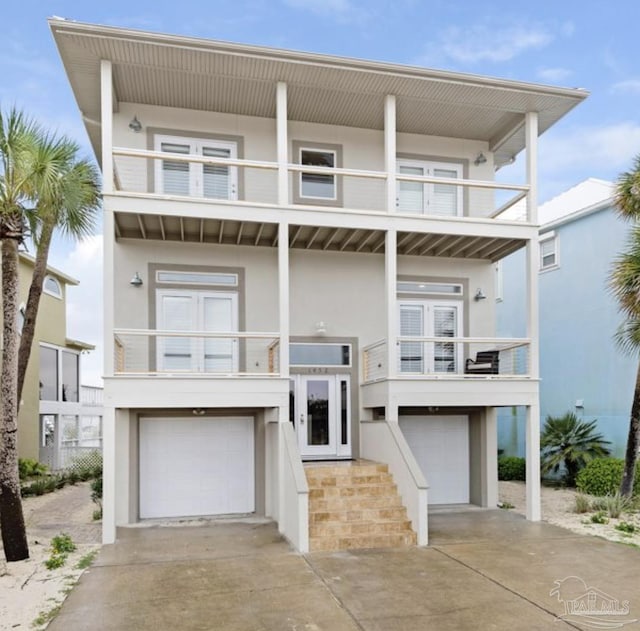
[{"x": 572, "y": 43}]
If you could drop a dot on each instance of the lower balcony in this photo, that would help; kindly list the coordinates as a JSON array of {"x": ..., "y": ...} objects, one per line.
[{"x": 449, "y": 371}]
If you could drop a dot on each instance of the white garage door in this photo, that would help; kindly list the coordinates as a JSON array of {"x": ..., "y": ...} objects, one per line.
[
  {"x": 191, "y": 467},
  {"x": 440, "y": 444}
]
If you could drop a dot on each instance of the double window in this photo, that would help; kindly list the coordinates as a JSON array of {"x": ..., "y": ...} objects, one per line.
[
  {"x": 429, "y": 198},
  {"x": 59, "y": 374},
  {"x": 196, "y": 179},
  {"x": 430, "y": 318}
]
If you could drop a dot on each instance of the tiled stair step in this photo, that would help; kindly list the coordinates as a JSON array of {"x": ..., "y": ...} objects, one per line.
[
  {"x": 332, "y": 504},
  {"x": 352, "y": 542},
  {"x": 347, "y": 469},
  {"x": 323, "y": 481},
  {"x": 365, "y": 514},
  {"x": 360, "y": 490},
  {"x": 344, "y": 529}
]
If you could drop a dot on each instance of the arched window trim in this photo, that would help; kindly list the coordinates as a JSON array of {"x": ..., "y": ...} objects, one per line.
[{"x": 55, "y": 293}]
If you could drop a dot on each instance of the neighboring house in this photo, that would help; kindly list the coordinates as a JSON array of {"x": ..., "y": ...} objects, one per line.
[
  {"x": 581, "y": 368},
  {"x": 54, "y": 425},
  {"x": 299, "y": 264}
]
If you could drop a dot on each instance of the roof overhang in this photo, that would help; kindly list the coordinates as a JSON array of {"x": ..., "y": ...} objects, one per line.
[
  {"x": 78, "y": 345},
  {"x": 192, "y": 73},
  {"x": 67, "y": 280}
]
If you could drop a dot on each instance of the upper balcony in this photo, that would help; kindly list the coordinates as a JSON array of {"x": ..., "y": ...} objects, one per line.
[{"x": 387, "y": 117}]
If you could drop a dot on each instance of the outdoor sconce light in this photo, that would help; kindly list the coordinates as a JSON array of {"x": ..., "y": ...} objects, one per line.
[
  {"x": 481, "y": 159},
  {"x": 321, "y": 328},
  {"x": 136, "y": 281},
  {"x": 135, "y": 125},
  {"x": 479, "y": 295},
  {"x": 198, "y": 411}
]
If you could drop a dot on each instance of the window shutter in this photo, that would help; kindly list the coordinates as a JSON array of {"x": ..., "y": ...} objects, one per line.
[
  {"x": 411, "y": 324},
  {"x": 411, "y": 194},
  {"x": 216, "y": 181},
  {"x": 175, "y": 175},
  {"x": 217, "y": 315},
  {"x": 444, "y": 200},
  {"x": 177, "y": 315},
  {"x": 444, "y": 325}
]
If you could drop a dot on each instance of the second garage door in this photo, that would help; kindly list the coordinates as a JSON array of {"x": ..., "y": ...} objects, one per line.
[
  {"x": 440, "y": 444},
  {"x": 193, "y": 467}
]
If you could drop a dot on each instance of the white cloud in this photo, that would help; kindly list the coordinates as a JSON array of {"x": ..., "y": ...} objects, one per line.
[
  {"x": 343, "y": 11},
  {"x": 554, "y": 75},
  {"x": 628, "y": 86},
  {"x": 483, "y": 42},
  {"x": 605, "y": 149},
  {"x": 84, "y": 302}
]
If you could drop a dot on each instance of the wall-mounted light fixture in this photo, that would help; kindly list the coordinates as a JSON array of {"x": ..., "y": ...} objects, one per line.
[
  {"x": 136, "y": 281},
  {"x": 479, "y": 295},
  {"x": 198, "y": 411},
  {"x": 135, "y": 125},
  {"x": 321, "y": 328},
  {"x": 480, "y": 159}
]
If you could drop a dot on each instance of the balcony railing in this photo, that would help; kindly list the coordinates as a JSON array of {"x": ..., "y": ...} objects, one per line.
[
  {"x": 255, "y": 183},
  {"x": 91, "y": 396},
  {"x": 210, "y": 353},
  {"x": 449, "y": 357}
]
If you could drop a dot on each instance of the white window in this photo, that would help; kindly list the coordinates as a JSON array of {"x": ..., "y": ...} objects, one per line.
[
  {"x": 430, "y": 319},
  {"x": 318, "y": 185},
  {"x": 184, "y": 310},
  {"x": 52, "y": 287},
  {"x": 197, "y": 278},
  {"x": 59, "y": 374},
  {"x": 424, "y": 287},
  {"x": 432, "y": 198},
  {"x": 214, "y": 181},
  {"x": 548, "y": 251},
  {"x": 498, "y": 281},
  {"x": 21, "y": 314}
]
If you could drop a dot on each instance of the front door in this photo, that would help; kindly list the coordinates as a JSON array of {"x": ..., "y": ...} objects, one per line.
[{"x": 320, "y": 414}]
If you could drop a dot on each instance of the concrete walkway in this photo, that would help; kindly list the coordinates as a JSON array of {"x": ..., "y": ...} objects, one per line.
[{"x": 483, "y": 570}]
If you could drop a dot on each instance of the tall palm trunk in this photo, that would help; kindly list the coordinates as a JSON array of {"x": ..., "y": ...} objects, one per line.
[
  {"x": 14, "y": 536},
  {"x": 33, "y": 301},
  {"x": 633, "y": 442}
]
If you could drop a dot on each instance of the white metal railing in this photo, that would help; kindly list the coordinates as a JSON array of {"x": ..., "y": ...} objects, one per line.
[
  {"x": 453, "y": 357},
  {"x": 214, "y": 353},
  {"x": 91, "y": 395},
  {"x": 362, "y": 189}
]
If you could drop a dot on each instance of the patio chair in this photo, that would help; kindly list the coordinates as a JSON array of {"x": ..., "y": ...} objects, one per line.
[{"x": 485, "y": 363}]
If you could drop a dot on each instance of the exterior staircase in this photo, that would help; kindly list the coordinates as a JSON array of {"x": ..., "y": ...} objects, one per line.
[{"x": 355, "y": 504}]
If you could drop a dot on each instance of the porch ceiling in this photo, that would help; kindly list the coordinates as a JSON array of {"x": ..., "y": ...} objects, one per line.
[
  {"x": 332, "y": 239},
  {"x": 200, "y": 74}
]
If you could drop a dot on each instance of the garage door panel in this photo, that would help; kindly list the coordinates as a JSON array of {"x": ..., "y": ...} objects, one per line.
[
  {"x": 440, "y": 445},
  {"x": 192, "y": 467}
]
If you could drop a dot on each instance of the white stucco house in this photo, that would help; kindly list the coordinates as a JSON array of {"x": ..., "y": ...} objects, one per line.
[{"x": 299, "y": 266}]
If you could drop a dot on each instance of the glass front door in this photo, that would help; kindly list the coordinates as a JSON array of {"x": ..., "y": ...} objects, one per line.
[{"x": 320, "y": 414}]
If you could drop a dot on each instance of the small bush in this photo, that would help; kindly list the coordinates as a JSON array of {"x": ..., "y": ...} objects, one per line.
[
  {"x": 72, "y": 477},
  {"x": 602, "y": 476},
  {"x": 88, "y": 466},
  {"x": 29, "y": 468},
  {"x": 583, "y": 504},
  {"x": 62, "y": 544},
  {"x": 97, "y": 514},
  {"x": 599, "y": 504},
  {"x": 55, "y": 561},
  {"x": 599, "y": 518},
  {"x": 625, "y": 526},
  {"x": 511, "y": 468}
]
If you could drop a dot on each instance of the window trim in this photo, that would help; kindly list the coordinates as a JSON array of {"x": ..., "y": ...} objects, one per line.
[
  {"x": 53, "y": 294},
  {"x": 309, "y": 145},
  {"x": 324, "y": 344},
  {"x": 546, "y": 238}
]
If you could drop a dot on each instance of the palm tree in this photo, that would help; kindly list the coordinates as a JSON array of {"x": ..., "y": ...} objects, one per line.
[
  {"x": 571, "y": 443},
  {"x": 70, "y": 206},
  {"x": 18, "y": 137},
  {"x": 624, "y": 282}
]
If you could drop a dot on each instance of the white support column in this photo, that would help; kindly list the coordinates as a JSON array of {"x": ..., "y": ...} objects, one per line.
[
  {"x": 282, "y": 143},
  {"x": 106, "y": 107},
  {"x": 108, "y": 244},
  {"x": 490, "y": 447},
  {"x": 390, "y": 282},
  {"x": 533, "y": 246},
  {"x": 390, "y": 150},
  {"x": 283, "y": 297},
  {"x": 533, "y": 463},
  {"x": 109, "y": 475}
]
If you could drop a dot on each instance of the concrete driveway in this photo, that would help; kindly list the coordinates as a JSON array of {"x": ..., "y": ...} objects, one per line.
[{"x": 483, "y": 570}]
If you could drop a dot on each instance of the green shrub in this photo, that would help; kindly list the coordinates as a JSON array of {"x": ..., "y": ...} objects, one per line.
[
  {"x": 617, "y": 504},
  {"x": 55, "y": 561},
  {"x": 62, "y": 544},
  {"x": 511, "y": 468},
  {"x": 625, "y": 526},
  {"x": 29, "y": 468},
  {"x": 602, "y": 476},
  {"x": 87, "y": 466},
  {"x": 599, "y": 518}
]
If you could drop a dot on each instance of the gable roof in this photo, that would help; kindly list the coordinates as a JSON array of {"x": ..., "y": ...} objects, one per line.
[{"x": 582, "y": 199}]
